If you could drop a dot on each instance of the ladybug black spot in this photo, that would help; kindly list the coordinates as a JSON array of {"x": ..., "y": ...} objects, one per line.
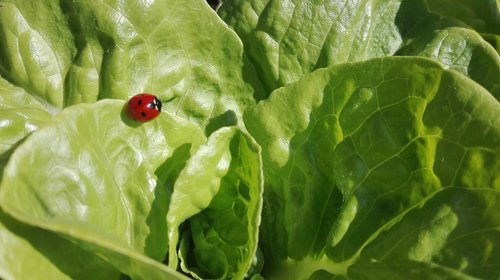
[
  {"x": 139, "y": 102},
  {"x": 143, "y": 114}
]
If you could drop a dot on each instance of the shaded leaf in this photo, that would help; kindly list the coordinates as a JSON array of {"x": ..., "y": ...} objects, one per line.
[
  {"x": 219, "y": 191},
  {"x": 362, "y": 145},
  {"x": 285, "y": 40},
  {"x": 28, "y": 251},
  {"x": 91, "y": 174}
]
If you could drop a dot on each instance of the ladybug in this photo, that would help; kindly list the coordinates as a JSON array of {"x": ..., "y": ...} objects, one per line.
[{"x": 143, "y": 107}]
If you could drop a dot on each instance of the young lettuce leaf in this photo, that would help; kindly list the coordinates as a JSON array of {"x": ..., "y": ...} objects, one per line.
[
  {"x": 219, "y": 196},
  {"x": 36, "y": 48},
  {"x": 91, "y": 173},
  {"x": 462, "y": 50},
  {"x": 67, "y": 52},
  {"x": 285, "y": 40},
  {"x": 450, "y": 42},
  {"x": 362, "y": 147}
]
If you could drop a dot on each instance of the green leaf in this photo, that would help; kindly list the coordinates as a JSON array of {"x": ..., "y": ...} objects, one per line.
[
  {"x": 448, "y": 231},
  {"x": 285, "y": 40},
  {"x": 220, "y": 192},
  {"x": 83, "y": 80},
  {"x": 360, "y": 147},
  {"x": 28, "y": 252},
  {"x": 20, "y": 115},
  {"x": 133, "y": 264},
  {"x": 380, "y": 169},
  {"x": 493, "y": 40},
  {"x": 462, "y": 50},
  {"x": 67, "y": 52},
  {"x": 449, "y": 41},
  {"x": 154, "y": 47},
  {"x": 408, "y": 270},
  {"x": 37, "y": 48},
  {"x": 482, "y": 15},
  {"x": 422, "y": 18},
  {"x": 91, "y": 175}
]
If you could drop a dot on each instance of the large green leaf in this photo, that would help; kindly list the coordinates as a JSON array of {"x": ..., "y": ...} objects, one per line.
[
  {"x": 350, "y": 151},
  {"x": 36, "y": 47},
  {"x": 381, "y": 169},
  {"x": 449, "y": 41},
  {"x": 34, "y": 253},
  {"x": 220, "y": 192},
  {"x": 91, "y": 174},
  {"x": 285, "y": 39},
  {"x": 462, "y": 50},
  {"x": 67, "y": 52},
  {"x": 450, "y": 230}
]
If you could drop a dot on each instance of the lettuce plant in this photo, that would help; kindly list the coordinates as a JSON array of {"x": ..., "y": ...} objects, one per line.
[{"x": 298, "y": 139}]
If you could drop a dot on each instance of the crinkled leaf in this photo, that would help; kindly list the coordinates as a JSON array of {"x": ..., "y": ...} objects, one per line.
[
  {"x": 220, "y": 192},
  {"x": 364, "y": 144},
  {"x": 286, "y": 39},
  {"x": 67, "y": 52},
  {"x": 20, "y": 115},
  {"x": 382, "y": 169},
  {"x": 155, "y": 47},
  {"x": 36, "y": 47},
  {"x": 447, "y": 231},
  {"x": 449, "y": 41},
  {"x": 91, "y": 174},
  {"x": 462, "y": 50}
]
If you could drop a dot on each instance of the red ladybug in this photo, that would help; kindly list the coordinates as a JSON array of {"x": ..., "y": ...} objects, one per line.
[{"x": 143, "y": 107}]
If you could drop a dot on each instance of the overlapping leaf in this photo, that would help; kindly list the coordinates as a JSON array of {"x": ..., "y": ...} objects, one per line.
[
  {"x": 363, "y": 145},
  {"x": 45, "y": 254},
  {"x": 462, "y": 50},
  {"x": 20, "y": 115},
  {"x": 90, "y": 174},
  {"x": 285, "y": 40},
  {"x": 384, "y": 169},
  {"x": 67, "y": 52},
  {"x": 220, "y": 192}
]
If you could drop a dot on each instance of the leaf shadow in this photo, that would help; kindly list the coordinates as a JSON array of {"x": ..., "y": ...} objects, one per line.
[
  {"x": 228, "y": 118},
  {"x": 64, "y": 254},
  {"x": 4, "y": 158},
  {"x": 167, "y": 173},
  {"x": 126, "y": 119},
  {"x": 417, "y": 25}
]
